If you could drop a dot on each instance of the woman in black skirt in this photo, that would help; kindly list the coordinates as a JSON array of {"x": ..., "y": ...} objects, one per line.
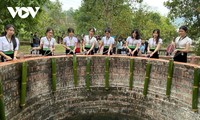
[
  {"x": 182, "y": 44},
  {"x": 9, "y": 44},
  {"x": 154, "y": 44},
  {"x": 133, "y": 43},
  {"x": 47, "y": 44},
  {"x": 107, "y": 42},
  {"x": 70, "y": 42},
  {"x": 89, "y": 42}
]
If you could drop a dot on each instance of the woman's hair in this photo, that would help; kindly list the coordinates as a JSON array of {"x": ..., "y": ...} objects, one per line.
[
  {"x": 92, "y": 30},
  {"x": 107, "y": 30},
  {"x": 12, "y": 37},
  {"x": 137, "y": 34},
  {"x": 184, "y": 28},
  {"x": 69, "y": 30},
  {"x": 158, "y": 31},
  {"x": 49, "y": 29}
]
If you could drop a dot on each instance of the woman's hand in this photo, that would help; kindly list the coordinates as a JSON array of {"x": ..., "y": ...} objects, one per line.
[
  {"x": 88, "y": 52},
  {"x": 52, "y": 49},
  {"x": 129, "y": 51},
  {"x": 108, "y": 53},
  {"x": 15, "y": 58},
  {"x": 149, "y": 52},
  {"x": 8, "y": 58},
  {"x": 133, "y": 52}
]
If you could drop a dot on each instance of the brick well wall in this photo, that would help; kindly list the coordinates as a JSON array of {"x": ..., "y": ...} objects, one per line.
[{"x": 69, "y": 101}]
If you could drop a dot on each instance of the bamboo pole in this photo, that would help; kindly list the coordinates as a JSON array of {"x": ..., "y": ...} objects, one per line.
[
  {"x": 195, "y": 90},
  {"x": 131, "y": 74},
  {"x": 107, "y": 73},
  {"x": 75, "y": 70},
  {"x": 23, "y": 85},
  {"x": 169, "y": 77},
  {"x": 88, "y": 74},
  {"x": 147, "y": 77},
  {"x": 2, "y": 106},
  {"x": 53, "y": 72}
]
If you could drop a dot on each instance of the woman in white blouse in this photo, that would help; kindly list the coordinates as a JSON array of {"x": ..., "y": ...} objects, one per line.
[
  {"x": 47, "y": 43},
  {"x": 182, "y": 44},
  {"x": 107, "y": 42},
  {"x": 70, "y": 42},
  {"x": 133, "y": 43},
  {"x": 154, "y": 44},
  {"x": 9, "y": 44},
  {"x": 89, "y": 42}
]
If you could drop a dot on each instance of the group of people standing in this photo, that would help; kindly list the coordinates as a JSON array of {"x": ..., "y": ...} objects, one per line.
[{"x": 9, "y": 44}]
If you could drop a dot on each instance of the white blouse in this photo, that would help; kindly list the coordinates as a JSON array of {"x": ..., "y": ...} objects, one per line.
[
  {"x": 89, "y": 41},
  {"x": 70, "y": 41},
  {"x": 108, "y": 42},
  {"x": 133, "y": 42},
  {"x": 181, "y": 43},
  {"x": 47, "y": 43},
  {"x": 152, "y": 42},
  {"x": 5, "y": 45}
]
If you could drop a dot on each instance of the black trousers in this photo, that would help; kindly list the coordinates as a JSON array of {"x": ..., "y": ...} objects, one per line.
[
  {"x": 68, "y": 52},
  {"x": 135, "y": 53},
  {"x": 105, "y": 51},
  {"x": 155, "y": 55},
  {"x": 95, "y": 50},
  {"x": 180, "y": 56},
  {"x": 91, "y": 52},
  {"x": 3, "y": 58},
  {"x": 46, "y": 53}
]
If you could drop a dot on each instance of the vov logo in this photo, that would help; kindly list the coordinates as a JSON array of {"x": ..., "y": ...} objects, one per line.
[{"x": 27, "y": 11}]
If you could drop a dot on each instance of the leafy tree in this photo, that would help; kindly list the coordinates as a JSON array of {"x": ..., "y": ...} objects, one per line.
[
  {"x": 22, "y": 25},
  {"x": 100, "y": 14},
  {"x": 49, "y": 15},
  {"x": 146, "y": 21},
  {"x": 189, "y": 10}
]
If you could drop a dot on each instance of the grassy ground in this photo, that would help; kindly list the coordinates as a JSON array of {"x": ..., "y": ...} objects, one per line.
[{"x": 25, "y": 49}]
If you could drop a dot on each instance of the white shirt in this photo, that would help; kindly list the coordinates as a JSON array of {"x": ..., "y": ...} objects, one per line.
[
  {"x": 47, "y": 43},
  {"x": 152, "y": 42},
  {"x": 181, "y": 43},
  {"x": 133, "y": 42},
  {"x": 70, "y": 41},
  {"x": 7, "y": 46},
  {"x": 89, "y": 41},
  {"x": 108, "y": 42}
]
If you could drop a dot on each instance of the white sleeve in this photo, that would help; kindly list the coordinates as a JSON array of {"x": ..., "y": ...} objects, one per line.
[
  {"x": 127, "y": 39},
  {"x": 139, "y": 41},
  {"x": 64, "y": 40},
  {"x": 113, "y": 41},
  {"x": 42, "y": 41},
  {"x": 102, "y": 40},
  {"x": 76, "y": 40},
  {"x": 177, "y": 39},
  {"x": 149, "y": 40},
  {"x": 160, "y": 41},
  {"x": 1, "y": 44},
  {"x": 17, "y": 42},
  {"x": 189, "y": 41}
]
